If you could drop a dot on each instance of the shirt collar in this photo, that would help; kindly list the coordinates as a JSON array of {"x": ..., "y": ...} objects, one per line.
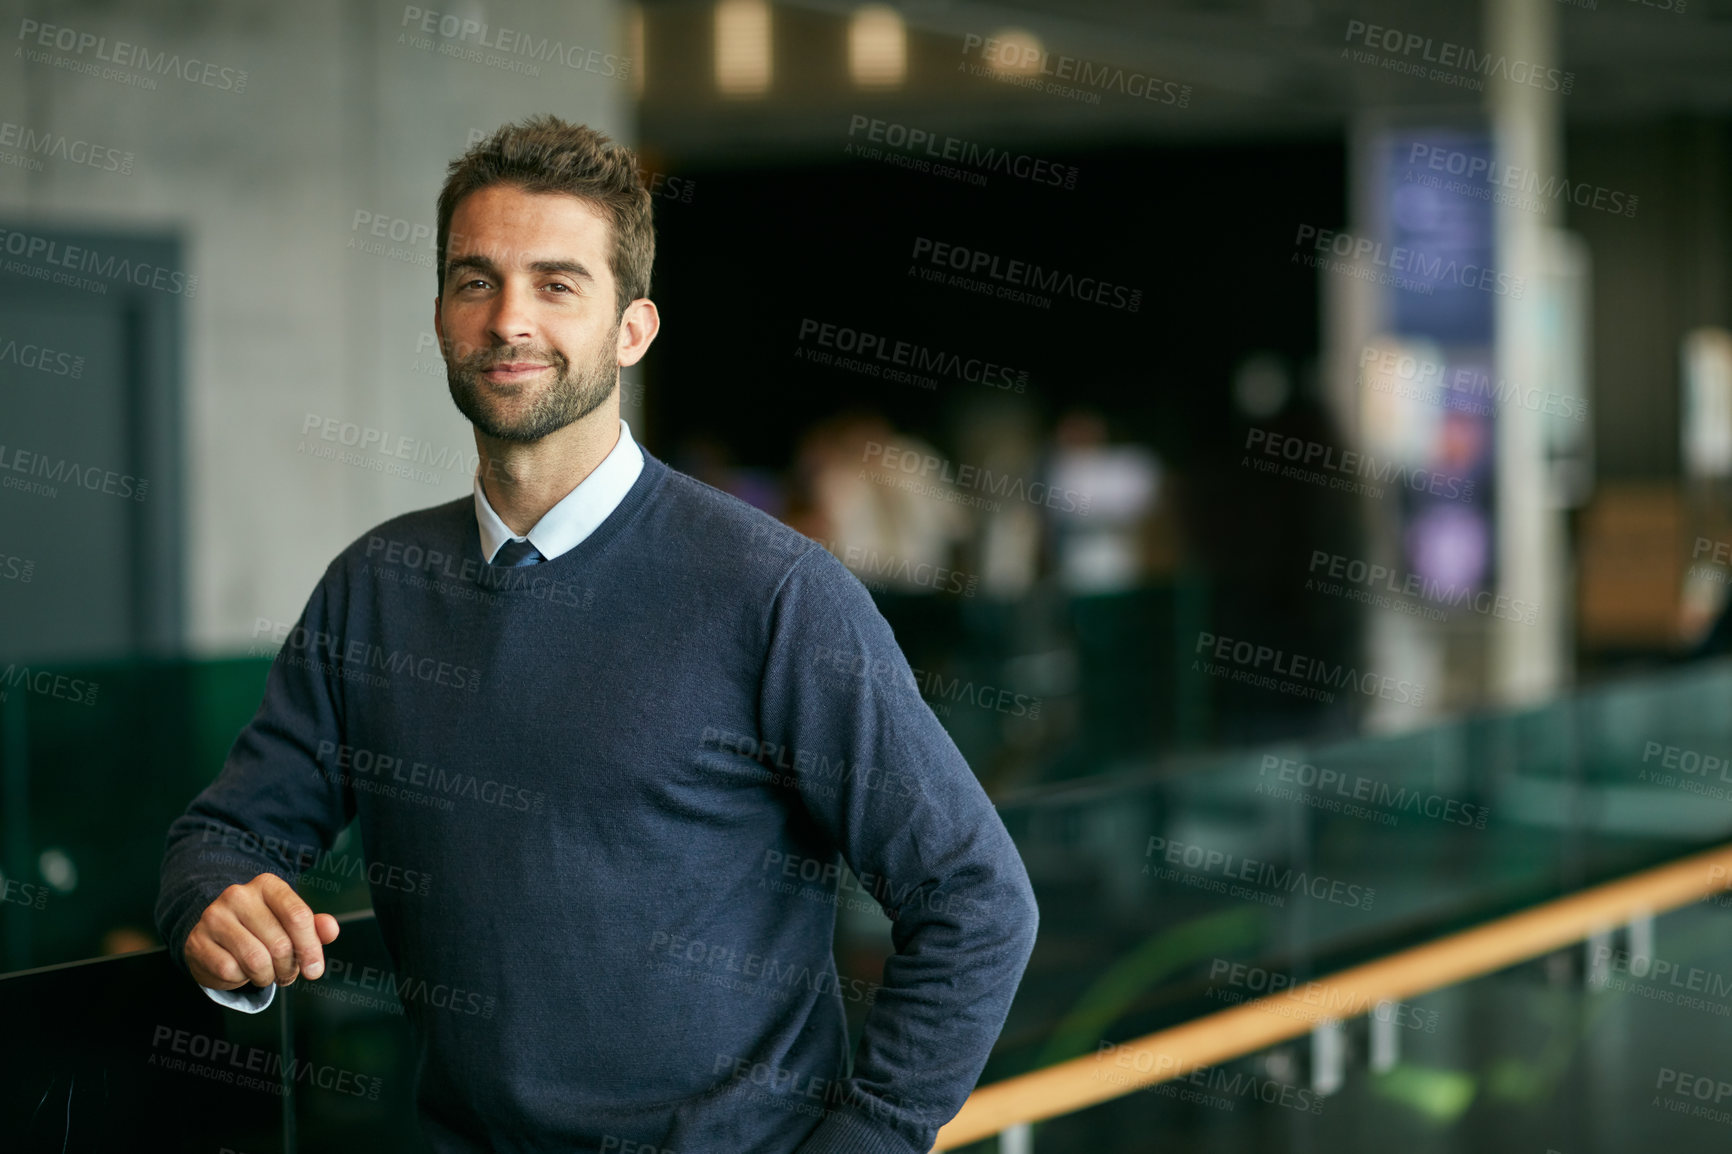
[{"x": 578, "y": 513}]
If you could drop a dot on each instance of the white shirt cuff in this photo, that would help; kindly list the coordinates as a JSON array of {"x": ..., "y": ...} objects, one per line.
[{"x": 247, "y": 999}]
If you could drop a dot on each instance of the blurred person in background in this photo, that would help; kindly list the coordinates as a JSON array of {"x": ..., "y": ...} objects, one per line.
[
  {"x": 891, "y": 525},
  {"x": 1104, "y": 544},
  {"x": 897, "y": 531}
]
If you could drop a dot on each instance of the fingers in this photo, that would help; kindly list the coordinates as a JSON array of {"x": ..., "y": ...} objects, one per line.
[
  {"x": 210, "y": 964},
  {"x": 261, "y": 932},
  {"x": 225, "y": 948},
  {"x": 259, "y": 919},
  {"x": 306, "y": 948}
]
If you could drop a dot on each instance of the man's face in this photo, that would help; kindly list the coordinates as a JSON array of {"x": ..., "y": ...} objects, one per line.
[{"x": 527, "y": 319}]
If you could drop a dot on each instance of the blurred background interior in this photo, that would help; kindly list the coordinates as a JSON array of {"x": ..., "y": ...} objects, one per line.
[{"x": 1286, "y": 430}]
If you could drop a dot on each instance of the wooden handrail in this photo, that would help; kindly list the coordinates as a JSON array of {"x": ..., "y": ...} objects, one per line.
[{"x": 1245, "y": 1029}]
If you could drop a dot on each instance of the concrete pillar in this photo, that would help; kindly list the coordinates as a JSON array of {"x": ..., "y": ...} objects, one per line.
[{"x": 1527, "y": 662}]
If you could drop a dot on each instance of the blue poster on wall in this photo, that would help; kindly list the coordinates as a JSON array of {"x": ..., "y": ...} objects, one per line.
[{"x": 1437, "y": 199}]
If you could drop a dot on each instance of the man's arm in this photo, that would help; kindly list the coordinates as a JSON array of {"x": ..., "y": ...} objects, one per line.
[
  {"x": 914, "y": 824},
  {"x": 225, "y": 907}
]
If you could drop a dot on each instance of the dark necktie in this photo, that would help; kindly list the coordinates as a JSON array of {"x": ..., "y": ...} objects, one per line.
[{"x": 516, "y": 553}]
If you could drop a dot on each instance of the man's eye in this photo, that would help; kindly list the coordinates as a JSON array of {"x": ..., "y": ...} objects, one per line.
[{"x": 560, "y": 285}]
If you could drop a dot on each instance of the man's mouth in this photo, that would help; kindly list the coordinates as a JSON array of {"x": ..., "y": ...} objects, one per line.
[{"x": 514, "y": 370}]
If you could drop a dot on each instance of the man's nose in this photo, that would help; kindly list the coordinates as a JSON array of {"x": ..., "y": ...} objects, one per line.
[{"x": 512, "y": 320}]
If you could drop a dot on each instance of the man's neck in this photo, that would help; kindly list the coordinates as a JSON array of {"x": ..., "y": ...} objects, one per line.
[{"x": 524, "y": 481}]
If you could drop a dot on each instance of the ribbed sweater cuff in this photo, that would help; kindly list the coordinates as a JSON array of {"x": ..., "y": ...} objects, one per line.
[{"x": 844, "y": 1132}]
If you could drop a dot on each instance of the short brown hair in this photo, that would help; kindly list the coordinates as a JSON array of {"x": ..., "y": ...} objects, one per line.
[{"x": 547, "y": 154}]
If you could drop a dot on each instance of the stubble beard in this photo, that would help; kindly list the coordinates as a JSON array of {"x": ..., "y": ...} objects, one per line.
[{"x": 571, "y": 395}]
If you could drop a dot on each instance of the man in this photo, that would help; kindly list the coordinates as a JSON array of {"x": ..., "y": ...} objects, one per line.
[{"x": 692, "y": 712}]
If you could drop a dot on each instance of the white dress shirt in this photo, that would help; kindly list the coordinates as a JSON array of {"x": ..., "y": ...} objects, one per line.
[
  {"x": 578, "y": 513},
  {"x": 574, "y": 517}
]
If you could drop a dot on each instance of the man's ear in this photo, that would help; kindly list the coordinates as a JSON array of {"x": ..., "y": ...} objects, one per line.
[{"x": 638, "y": 326}]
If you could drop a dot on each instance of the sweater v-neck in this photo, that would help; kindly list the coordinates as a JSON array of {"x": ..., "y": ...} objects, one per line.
[{"x": 497, "y": 578}]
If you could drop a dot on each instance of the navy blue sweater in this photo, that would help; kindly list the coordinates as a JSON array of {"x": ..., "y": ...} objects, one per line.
[{"x": 603, "y": 800}]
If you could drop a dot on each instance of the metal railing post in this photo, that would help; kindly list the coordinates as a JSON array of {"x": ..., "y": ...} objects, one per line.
[
  {"x": 1385, "y": 1042},
  {"x": 1328, "y": 1057}
]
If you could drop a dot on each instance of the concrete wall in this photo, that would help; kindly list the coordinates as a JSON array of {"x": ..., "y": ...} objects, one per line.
[{"x": 344, "y": 109}]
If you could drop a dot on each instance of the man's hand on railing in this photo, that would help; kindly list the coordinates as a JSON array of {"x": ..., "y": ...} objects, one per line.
[{"x": 261, "y": 933}]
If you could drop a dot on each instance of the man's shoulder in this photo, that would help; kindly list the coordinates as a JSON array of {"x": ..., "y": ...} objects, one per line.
[
  {"x": 436, "y": 527},
  {"x": 719, "y": 531}
]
